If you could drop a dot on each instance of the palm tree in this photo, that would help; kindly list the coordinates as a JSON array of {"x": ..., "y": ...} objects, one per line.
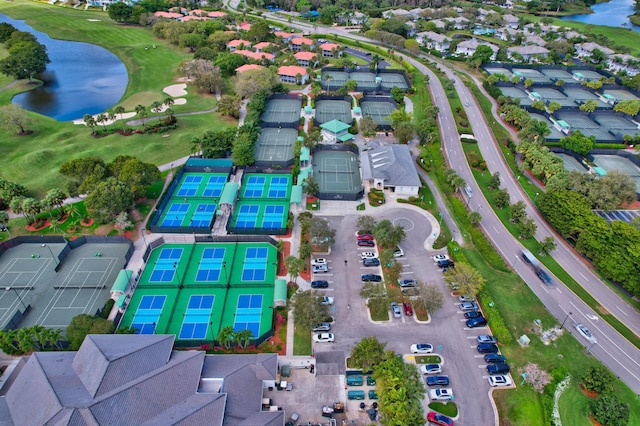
[
  {"x": 226, "y": 336},
  {"x": 170, "y": 114},
  {"x": 91, "y": 122},
  {"x": 120, "y": 110},
  {"x": 111, "y": 116},
  {"x": 375, "y": 60},
  {"x": 102, "y": 118},
  {"x": 244, "y": 337},
  {"x": 141, "y": 111},
  {"x": 156, "y": 106},
  {"x": 168, "y": 102}
]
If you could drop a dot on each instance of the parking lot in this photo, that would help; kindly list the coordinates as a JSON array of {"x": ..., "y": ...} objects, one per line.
[{"x": 446, "y": 330}]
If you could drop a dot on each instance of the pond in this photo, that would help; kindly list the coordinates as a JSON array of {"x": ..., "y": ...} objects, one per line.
[
  {"x": 613, "y": 13},
  {"x": 81, "y": 79}
]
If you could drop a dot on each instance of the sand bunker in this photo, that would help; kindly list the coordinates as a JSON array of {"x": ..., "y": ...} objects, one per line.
[
  {"x": 176, "y": 90},
  {"x": 124, "y": 116}
]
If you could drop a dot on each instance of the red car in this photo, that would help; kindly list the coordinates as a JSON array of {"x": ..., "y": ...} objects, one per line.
[
  {"x": 439, "y": 419},
  {"x": 366, "y": 243},
  {"x": 367, "y": 237},
  {"x": 408, "y": 310}
]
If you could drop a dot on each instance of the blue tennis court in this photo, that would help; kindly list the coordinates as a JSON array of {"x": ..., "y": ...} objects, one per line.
[
  {"x": 148, "y": 314},
  {"x": 255, "y": 187},
  {"x": 176, "y": 215},
  {"x": 210, "y": 264},
  {"x": 189, "y": 186},
  {"x": 273, "y": 217},
  {"x": 278, "y": 187},
  {"x": 214, "y": 186},
  {"x": 166, "y": 265},
  {"x": 248, "y": 312},
  {"x": 247, "y": 216},
  {"x": 197, "y": 317},
  {"x": 255, "y": 264},
  {"x": 203, "y": 215}
]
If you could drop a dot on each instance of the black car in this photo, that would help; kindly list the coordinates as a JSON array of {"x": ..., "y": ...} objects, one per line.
[
  {"x": 472, "y": 314},
  {"x": 371, "y": 261},
  {"x": 499, "y": 368},
  {"x": 544, "y": 277},
  {"x": 445, "y": 264},
  {"x": 476, "y": 322},
  {"x": 494, "y": 358},
  {"x": 366, "y": 243},
  {"x": 372, "y": 277},
  {"x": 487, "y": 348},
  {"x": 320, "y": 284},
  {"x": 437, "y": 380}
]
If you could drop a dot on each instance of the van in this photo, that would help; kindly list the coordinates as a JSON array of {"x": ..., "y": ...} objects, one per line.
[
  {"x": 468, "y": 190},
  {"x": 529, "y": 258}
]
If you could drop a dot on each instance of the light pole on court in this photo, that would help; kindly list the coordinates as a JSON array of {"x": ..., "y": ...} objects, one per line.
[
  {"x": 55, "y": 259},
  {"x": 18, "y": 296}
]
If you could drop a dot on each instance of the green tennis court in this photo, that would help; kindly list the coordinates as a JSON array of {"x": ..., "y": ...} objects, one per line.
[
  {"x": 333, "y": 79},
  {"x": 275, "y": 145},
  {"x": 379, "y": 111},
  {"x": 391, "y": 80},
  {"x": 337, "y": 172},
  {"x": 328, "y": 109},
  {"x": 283, "y": 111},
  {"x": 366, "y": 81},
  {"x": 225, "y": 284}
]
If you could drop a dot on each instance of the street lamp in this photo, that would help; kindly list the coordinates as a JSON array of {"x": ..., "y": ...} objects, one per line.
[
  {"x": 536, "y": 197},
  {"x": 565, "y": 320},
  {"x": 55, "y": 259},
  {"x": 18, "y": 296}
]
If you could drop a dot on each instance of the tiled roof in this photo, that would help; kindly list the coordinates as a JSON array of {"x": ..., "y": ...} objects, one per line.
[
  {"x": 329, "y": 46},
  {"x": 305, "y": 56},
  {"x": 248, "y": 67},
  {"x": 236, "y": 43},
  {"x": 301, "y": 40},
  {"x": 292, "y": 70}
]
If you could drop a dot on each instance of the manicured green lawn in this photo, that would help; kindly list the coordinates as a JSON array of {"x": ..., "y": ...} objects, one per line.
[
  {"x": 573, "y": 407},
  {"x": 301, "y": 340},
  {"x": 447, "y": 408}
]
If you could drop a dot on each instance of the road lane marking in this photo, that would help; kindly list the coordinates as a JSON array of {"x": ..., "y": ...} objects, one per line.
[
  {"x": 622, "y": 310},
  {"x": 583, "y": 276}
]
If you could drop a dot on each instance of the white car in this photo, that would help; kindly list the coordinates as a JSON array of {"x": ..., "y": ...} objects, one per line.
[
  {"x": 421, "y": 348},
  {"x": 317, "y": 269},
  {"x": 319, "y": 261},
  {"x": 439, "y": 257},
  {"x": 585, "y": 332},
  {"x": 398, "y": 252},
  {"x": 368, "y": 255},
  {"x": 430, "y": 369},
  {"x": 324, "y": 338},
  {"x": 466, "y": 298},
  {"x": 326, "y": 300},
  {"x": 442, "y": 394},
  {"x": 500, "y": 380}
]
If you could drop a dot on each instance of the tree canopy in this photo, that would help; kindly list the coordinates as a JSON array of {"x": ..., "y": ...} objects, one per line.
[{"x": 26, "y": 57}]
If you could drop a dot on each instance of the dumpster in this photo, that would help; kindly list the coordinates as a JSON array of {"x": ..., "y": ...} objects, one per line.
[
  {"x": 373, "y": 394},
  {"x": 285, "y": 370},
  {"x": 371, "y": 381},
  {"x": 354, "y": 380},
  {"x": 355, "y": 395}
]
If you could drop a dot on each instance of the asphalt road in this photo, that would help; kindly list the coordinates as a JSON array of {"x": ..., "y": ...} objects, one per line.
[{"x": 464, "y": 366}]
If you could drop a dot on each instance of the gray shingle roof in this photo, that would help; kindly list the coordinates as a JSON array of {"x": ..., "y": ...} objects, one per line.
[{"x": 394, "y": 164}]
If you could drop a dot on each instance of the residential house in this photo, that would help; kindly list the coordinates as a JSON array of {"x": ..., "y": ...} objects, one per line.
[
  {"x": 391, "y": 167},
  {"x": 216, "y": 14},
  {"x": 468, "y": 48},
  {"x": 627, "y": 63},
  {"x": 511, "y": 21},
  {"x": 256, "y": 56},
  {"x": 329, "y": 50},
  {"x": 352, "y": 18},
  {"x": 168, "y": 15},
  {"x": 258, "y": 47},
  {"x": 293, "y": 74},
  {"x": 416, "y": 13},
  {"x": 507, "y": 34},
  {"x": 139, "y": 379},
  {"x": 245, "y": 26},
  {"x": 236, "y": 44},
  {"x": 539, "y": 29},
  {"x": 459, "y": 22},
  {"x": 297, "y": 42},
  {"x": 535, "y": 39},
  {"x": 286, "y": 37},
  {"x": 248, "y": 67},
  {"x": 528, "y": 53},
  {"x": 396, "y": 13},
  {"x": 439, "y": 23},
  {"x": 585, "y": 50},
  {"x": 306, "y": 59},
  {"x": 411, "y": 29},
  {"x": 194, "y": 18},
  {"x": 433, "y": 40}
]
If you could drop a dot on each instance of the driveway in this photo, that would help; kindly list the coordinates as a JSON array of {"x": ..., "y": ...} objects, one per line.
[{"x": 446, "y": 329}]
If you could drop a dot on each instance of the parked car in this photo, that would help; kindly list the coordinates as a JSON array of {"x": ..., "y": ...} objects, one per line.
[
  {"x": 476, "y": 322},
  {"x": 323, "y": 338},
  {"x": 487, "y": 348},
  {"x": 398, "y": 252},
  {"x": 371, "y": 261},
  {"x": 408, "y": 283},
  {"x": 472, "y": 314},
  {"x": 430, "y": 369},
  {"x": 320, "y": 284},
  {"x": 439, "y": 257},
  {"x": 500, "y": 380},
  {"x": 323, "y": 326},
  {"x": 371, "y": 277},
  {"x": 421, "y": 348},
  {"x": 365, "y": 237},
  {"x": 469, "y": 306},
  {"x": 368, "y": 254},
  {"x": 485, "y": 338},
  {"x": 318, "y": 261},
  {"x": 437, "y": 381},
  {"x": 466, "y": 298},
  {"x": 408, "y": 310},
  {"x": 366, "y": 243},
  {"x": 319, "y": 269},
  {"x": 445, "y": 264},
  {"x": 494, "y": 358},
  {"x": 441, "y": 394},
  {"x": 439, "y": 419},
  {"x": 395, "y": 308},
  {"x": 585, "y": 332},
  {"x": 326, "y": 300},
  {"x": 498, "y": 368}
]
